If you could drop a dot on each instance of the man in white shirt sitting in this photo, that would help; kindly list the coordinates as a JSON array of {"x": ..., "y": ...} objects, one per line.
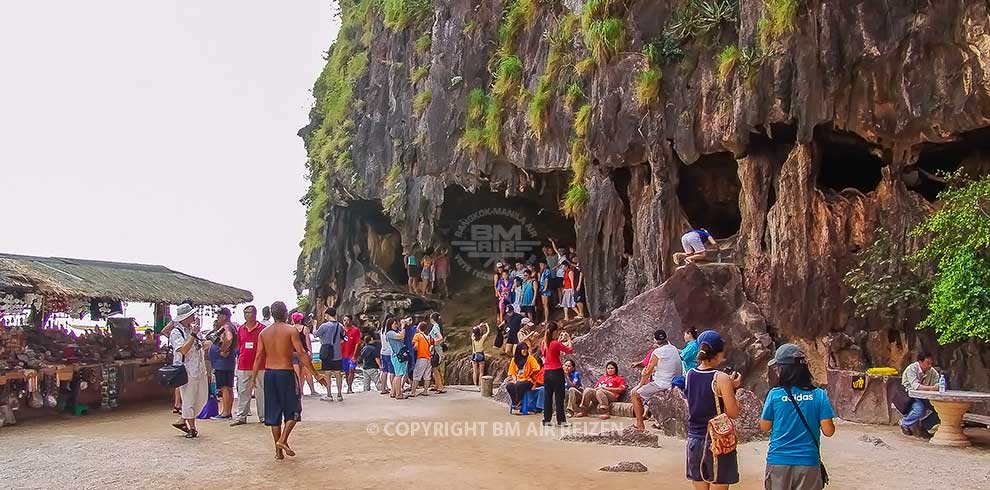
[{"x": 665, "y": 364}]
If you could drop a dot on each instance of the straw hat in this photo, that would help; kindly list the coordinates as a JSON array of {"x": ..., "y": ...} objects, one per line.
[{"x": 185, "y": 311}]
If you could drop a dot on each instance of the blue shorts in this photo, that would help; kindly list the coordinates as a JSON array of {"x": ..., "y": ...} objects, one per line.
[
  {"x": 282, "y": 401},
  {"x": 398, "y": 367},
  {"x": 699, "y": 464},
  {"x": 387, "y": 364},
  {"x": 349, "y": 364}
]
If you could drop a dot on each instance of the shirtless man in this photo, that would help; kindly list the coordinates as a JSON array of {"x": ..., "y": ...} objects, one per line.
[{"x": 283, "y": 403}]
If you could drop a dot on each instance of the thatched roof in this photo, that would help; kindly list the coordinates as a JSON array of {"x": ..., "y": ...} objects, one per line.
[{"x": 77, "y": 278}]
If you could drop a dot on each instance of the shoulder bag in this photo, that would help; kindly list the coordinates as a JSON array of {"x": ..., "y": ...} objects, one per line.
[
  {"x": 172, "y": 376},
  {"x": 811, "y": 433},
  {"x": 721, "y": 436}
]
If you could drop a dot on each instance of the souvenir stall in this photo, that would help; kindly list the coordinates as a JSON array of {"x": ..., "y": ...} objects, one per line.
[{"x": 48, "y": 365}]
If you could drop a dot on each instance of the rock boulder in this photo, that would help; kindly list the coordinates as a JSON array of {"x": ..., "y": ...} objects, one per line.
[
  {"x": 670, "y": 409},
  {"x": 709, "y": 296}
]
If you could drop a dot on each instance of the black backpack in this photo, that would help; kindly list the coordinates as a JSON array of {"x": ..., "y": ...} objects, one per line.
[{"x": 403, "y": 354}]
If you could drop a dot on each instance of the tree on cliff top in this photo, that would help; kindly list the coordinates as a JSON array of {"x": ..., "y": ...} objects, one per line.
[{"x": 959, "y": 232}]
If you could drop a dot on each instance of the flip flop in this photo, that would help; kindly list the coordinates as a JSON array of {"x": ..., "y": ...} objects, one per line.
[{"x": 285, "y": 448}]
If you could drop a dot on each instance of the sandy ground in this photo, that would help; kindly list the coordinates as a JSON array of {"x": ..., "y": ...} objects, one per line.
[{"x": 136, "y": 448}]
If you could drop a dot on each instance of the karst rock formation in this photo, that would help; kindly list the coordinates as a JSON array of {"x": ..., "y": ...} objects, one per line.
[{"x": 792, "y": 128}]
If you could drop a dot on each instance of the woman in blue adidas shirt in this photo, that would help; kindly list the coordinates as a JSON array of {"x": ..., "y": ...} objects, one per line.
[{"x": 793, "y": 460}]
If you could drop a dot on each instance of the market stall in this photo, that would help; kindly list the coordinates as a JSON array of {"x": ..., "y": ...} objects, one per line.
[{"x": 48, "y": 368}]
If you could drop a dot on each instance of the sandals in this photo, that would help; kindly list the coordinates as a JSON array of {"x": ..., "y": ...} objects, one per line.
[
  {"x": 181, "y": 426},
  {"x": 191, "y": 434}
]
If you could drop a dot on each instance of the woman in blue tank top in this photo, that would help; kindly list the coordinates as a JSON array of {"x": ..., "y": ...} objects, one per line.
[{"x": 703, "y": 382}]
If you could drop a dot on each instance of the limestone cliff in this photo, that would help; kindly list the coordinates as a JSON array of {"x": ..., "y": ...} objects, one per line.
[{"x": 797, "y": 127}]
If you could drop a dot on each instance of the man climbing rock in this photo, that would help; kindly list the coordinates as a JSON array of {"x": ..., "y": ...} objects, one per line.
[{"x": 694, "y": 243}]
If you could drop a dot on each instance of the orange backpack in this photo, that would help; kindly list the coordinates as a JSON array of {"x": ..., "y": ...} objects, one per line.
[{"x": 721, "y": 435}]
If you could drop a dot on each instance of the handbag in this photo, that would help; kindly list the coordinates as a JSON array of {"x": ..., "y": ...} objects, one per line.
[
  {"x": 172, "y": 376},
  {"x": 720, "y": 437},
  {"x": 403, "y": 354},
  {"x": 821, "y": 465},
  {"x": 434, "y": 357}
]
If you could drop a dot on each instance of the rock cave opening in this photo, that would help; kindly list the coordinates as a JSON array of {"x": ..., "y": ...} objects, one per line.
[
  {"x": 708, "y": 191},
  {"x": 382, "y": 250},
  {"x": 621, "y": 178},
  {"x": 846, "y": 161},
  {"x": 971, "y": 152},
  {"x": 483, "y": 227}
]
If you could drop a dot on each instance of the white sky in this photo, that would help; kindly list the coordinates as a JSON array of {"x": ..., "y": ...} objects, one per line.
[{"x": 160, "y": 132}]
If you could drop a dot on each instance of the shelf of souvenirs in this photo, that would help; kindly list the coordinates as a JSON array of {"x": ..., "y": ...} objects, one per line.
[{"x": 65, "y": 372}]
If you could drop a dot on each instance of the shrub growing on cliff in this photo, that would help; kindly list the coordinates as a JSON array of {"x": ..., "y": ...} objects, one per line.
[
  {"x": 400, "y": 14},
  {"x": 423, "y": 44},
  {"x": 778, "y": 19},
  {"x": 475, "y": 104},
  {"x": 647, "y": 88},
  {"x": 517, "y": 15},
  {"x": 727, "y": 60},
  {"x": 538, "y": 105},
  {"x": 604, "y": 38},
  {"x": 419, "y": 73},
  {"x": 421, "y": 100},
  {"x": 959, "y": 232},
  {"x": 581, "y": 121},
  {"x": 585, "y": 66},
  {"x": 883, "y": 282},
  {"x": 508, "y": 76},
  {"x": 575, "y": 200},
  {"x": 573, "y": 95}
]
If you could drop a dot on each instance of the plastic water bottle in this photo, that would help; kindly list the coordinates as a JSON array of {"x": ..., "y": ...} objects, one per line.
[{"x": 941, "y": 383}]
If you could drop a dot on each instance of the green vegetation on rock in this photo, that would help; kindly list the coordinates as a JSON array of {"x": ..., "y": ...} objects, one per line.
[
  {"x": 585, "y": 67},
  {"x": 778, "y": 19},
  {"x": 400, "y": 14},
  {"x": 423, "y": 44},
  {"x": 508, "y": 76},
  {"x": 700, "y": 18},
  {"x": 328, "y": 143},
  {"x": 727, "y": 60},
  {"x": 419, "y": 73},
  {"x": 421, "y": 100},
  {"x": 605, "y": 37},
  {"x": 581, "y": 120},
  {"x": 516, "y": 17},
  {"x": 959, "y": 245},
  {"x": 575, "y": 200},
  {"x": 574, "y": 94},
  {"x": 647, "y": 88}
]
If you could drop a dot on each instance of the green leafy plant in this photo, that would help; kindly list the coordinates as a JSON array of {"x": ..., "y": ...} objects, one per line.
[
  {"x": 585, "y": 66},
  {"x": 419, "y": 73},
  {"x": 421, "y": 100},
  {"x": 538, "y": 105},
  {"x": 647, "y": 88},
  {"x": 508, "y": 76},
  {"x": 605, "y": 37},
  {"x": 958, "y": 235},
  {"x": 492, "y": 133},
  {"x": 575, "y": 200},
  {"x": 400, "y": 14},
  {"x": 883, "y": 281},
  {"x": 475, "y": 104},
  {"x": 423, "y": 44},
  {"x": 517, "y": 15},
  {"x": 751, "y": 60},
  {"x": 579, "y": 160},
  {"x": 581, "y": 121},
  {"x": 573, "y": 94},
  {"x": 594, "y": 10},
  {"x": 700, "y": 18},
  {"x": 393, "y": 176},
  {"x": 778, "y": 20},
  {"x": 727, "y": 60}
]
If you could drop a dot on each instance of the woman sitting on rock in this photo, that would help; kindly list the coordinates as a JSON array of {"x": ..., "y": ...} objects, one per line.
[
  {"x": 574, "y": 389},
  {"x": 608, "y": 389},
  {"x": 523, "y": 370}
]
